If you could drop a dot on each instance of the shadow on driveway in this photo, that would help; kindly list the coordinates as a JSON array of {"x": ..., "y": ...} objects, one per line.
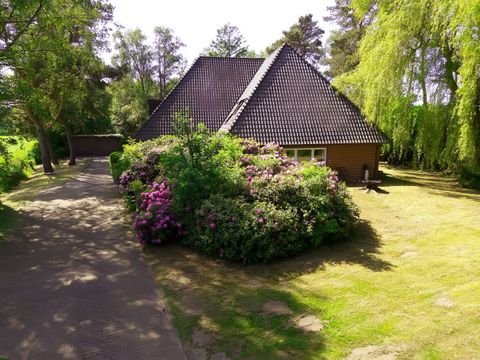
[{"x": 74, "y": 286}]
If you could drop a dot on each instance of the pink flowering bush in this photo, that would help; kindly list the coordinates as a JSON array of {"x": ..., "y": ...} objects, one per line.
[
  {"x": 154, "y": 221},
  {"x": 238, "y": 230},
  {"x": 233, "y": 198}
]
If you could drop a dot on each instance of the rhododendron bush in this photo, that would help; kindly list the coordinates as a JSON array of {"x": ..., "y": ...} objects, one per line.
[{"x": 232, "y": 198}]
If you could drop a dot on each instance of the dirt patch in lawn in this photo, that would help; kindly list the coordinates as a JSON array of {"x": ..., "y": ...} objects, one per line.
[
  {"x": 274, "y": 307},
  {"x": 374, "y": 352},
  {"x": 444, "y": 301},
  {"x": 308, "y": 323}
]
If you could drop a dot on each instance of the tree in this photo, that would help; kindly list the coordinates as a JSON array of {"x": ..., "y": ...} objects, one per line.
[
  {"x": 418, "y": 78},
  {"x": 306, "y": 37},
  {"x": 343, "y": 42},
  {"x": 229, "y": 42},
  {"x": 16, "y": 18},
  {"x": 52, "y": 62},
  {"x": 135, "y": 57},
  {"x": 128, "y": 108},
  {"x": 169, "y": 61},
  {"x": 134, "y": 61}
]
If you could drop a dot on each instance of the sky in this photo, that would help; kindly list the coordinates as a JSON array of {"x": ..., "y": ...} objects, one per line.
[{"x": 196, "y": 22}]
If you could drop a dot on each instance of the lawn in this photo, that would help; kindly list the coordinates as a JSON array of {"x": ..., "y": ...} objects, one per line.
[
  {"x": 11, "y": 203},
  {"x": 405, "y": 286}
]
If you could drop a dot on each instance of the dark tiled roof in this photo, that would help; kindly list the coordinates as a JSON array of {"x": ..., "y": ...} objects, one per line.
[
  {"x": 152, "y": 105},
  {"x": 291, "y": 103},
  {"x": 281, "y": 99},
  {"x": 208, "y": 91},
  {"x": 249, "y": 90}
]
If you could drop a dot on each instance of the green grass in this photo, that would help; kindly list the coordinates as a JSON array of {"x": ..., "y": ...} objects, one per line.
[
  {"x": 17, "y": 160},
  {"x": 11, "y": 203},
  {"x": 418, "y": 241}
]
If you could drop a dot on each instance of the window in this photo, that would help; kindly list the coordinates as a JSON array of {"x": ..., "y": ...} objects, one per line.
[
  {"x": 318, "y": 154},
  {"x": 304, "y": 155},
  {"x": 291, "y": 154}
]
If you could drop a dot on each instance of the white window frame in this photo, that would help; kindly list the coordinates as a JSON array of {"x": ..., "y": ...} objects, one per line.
[{"x": 312, "y": 152}]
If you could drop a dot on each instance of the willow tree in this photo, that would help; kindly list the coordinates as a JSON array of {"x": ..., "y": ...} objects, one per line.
[{"x": 418, "y": 78}]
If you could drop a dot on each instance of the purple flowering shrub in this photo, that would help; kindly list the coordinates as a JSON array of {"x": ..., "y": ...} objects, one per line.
[
  {"x": 140, "y": 174},
  {"x": 238, "y": 230},
  {"x": 233, "y": 198},
  {"x": 285, "y": 207},
  {"x": 154, "y": 221}
]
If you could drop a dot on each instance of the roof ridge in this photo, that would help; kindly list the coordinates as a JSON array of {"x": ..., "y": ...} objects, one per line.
[
  {"x": 250, "y": 89},
  {"x": 230, "y": 57},
  {"x": 168, "y": 95}
]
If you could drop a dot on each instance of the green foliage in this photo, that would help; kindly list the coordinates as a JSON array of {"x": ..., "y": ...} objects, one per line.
[
  {"x": 230, "y": 197},
  {"x": 143, "y": 72},
  {"x": 199, "y": 164},
  {"x": 118, "y": 164},
  {"x": 17, "y": 160},
  {"x": 229, "y": 42},
  {"x": 135, "y": 151},
  {"x": 169, "y": 61},
  {"x": 53, "y": 64},
  {"x": 240, "y": 230},
  {"x": 135, "y": 58},
  {"x": 344, "y": 40},
  {"x": 306, "y": 37},
  {"x": 411, "y": 56},
  {"x": 128, "y": 108},
  {"x": 470, "y": 178}
]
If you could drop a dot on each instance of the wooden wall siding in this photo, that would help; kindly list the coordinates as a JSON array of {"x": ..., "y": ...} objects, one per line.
[
  {"x": 96, "y": 145},
  {"x": 350, "y": 159}
]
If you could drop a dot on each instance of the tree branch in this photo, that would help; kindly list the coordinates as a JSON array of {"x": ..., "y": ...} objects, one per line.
[{"x": 25, "y": 28}]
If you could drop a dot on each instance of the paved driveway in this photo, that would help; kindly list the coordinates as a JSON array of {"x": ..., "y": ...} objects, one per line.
[{"x": 74, "y": 286}]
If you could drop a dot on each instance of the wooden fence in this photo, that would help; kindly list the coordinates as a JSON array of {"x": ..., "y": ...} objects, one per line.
[{"x": 97, "y": 145}]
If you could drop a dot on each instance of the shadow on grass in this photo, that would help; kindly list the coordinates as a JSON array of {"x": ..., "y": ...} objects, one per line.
[
  {"x": 432, "y": 182},
  {"x": 362, "y": 248},
  {"x": 29, "y": 189},
  {"x": 223, "y": 302},
  {"x": 8, "y": 217},
  {"x": 225, "y": 299}
]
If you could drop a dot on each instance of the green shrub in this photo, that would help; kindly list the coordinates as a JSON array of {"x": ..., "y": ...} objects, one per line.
[
  {"x": 470, "y": 178},
  {"x": 118, "y": 164},
  {"x": 17, "y": 160},
  {"x": 239, "y": 230},
  {"x": 232, "y": 198}
]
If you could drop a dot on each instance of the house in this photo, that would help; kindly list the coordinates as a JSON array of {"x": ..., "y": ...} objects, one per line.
[{"x": 280, "y": 99}]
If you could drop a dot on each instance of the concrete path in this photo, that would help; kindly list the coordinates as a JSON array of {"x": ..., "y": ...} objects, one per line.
[{"x": 74, "y": 286}]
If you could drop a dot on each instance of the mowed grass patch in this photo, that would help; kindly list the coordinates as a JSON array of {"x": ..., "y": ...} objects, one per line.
[
  {"x": 11, "y": 203},
  {"x": 406, "y": 282}
]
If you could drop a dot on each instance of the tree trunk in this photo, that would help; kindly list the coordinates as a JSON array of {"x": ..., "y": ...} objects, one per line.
[
  {"x": 451, "y": 68},
  {"x": 423, "y": 75},
  {"x": 68, "y": 132},
  {"x": 53, "y": 157},
  {"x": 476, "y": 125},
  {"x": 43, "y": 142}
]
